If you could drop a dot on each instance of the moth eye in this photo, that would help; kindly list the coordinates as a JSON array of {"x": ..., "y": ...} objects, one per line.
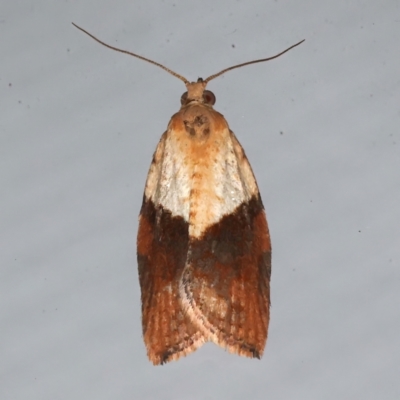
[
  {"x": 209, "y": 97},
  {"x": 184, "y": 98}
]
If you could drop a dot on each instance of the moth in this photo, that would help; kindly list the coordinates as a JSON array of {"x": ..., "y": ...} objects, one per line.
[{"x": 203, "y": 245}]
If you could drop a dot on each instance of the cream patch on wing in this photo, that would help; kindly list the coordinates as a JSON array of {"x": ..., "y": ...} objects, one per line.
[
  {"x": 200, "y": 176},
  {"x": 168, "y": 181}
]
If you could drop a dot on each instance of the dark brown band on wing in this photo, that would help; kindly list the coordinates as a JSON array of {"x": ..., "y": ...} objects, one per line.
[{"x": 226, "y": 280}]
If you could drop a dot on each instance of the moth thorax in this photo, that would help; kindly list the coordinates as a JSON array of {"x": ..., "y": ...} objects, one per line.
[{"x": 198, "y": 127}]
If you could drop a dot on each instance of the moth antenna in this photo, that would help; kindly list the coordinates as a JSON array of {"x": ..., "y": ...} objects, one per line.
[
  {"x": 251, "y": 62},
  {"x": 133, "y": 54}
]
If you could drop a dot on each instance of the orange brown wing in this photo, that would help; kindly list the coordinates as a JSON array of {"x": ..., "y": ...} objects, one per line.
[{"x": 162, "y": 250}]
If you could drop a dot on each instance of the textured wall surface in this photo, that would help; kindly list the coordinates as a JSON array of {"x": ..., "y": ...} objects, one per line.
[{"x": 78, "y": 127}]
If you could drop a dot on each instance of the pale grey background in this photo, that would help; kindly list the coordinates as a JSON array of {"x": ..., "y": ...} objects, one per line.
[{"x": 78, "y": 127}]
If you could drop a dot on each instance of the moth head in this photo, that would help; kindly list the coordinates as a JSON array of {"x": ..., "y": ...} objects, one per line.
[{"x": 196, "y": 92}]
